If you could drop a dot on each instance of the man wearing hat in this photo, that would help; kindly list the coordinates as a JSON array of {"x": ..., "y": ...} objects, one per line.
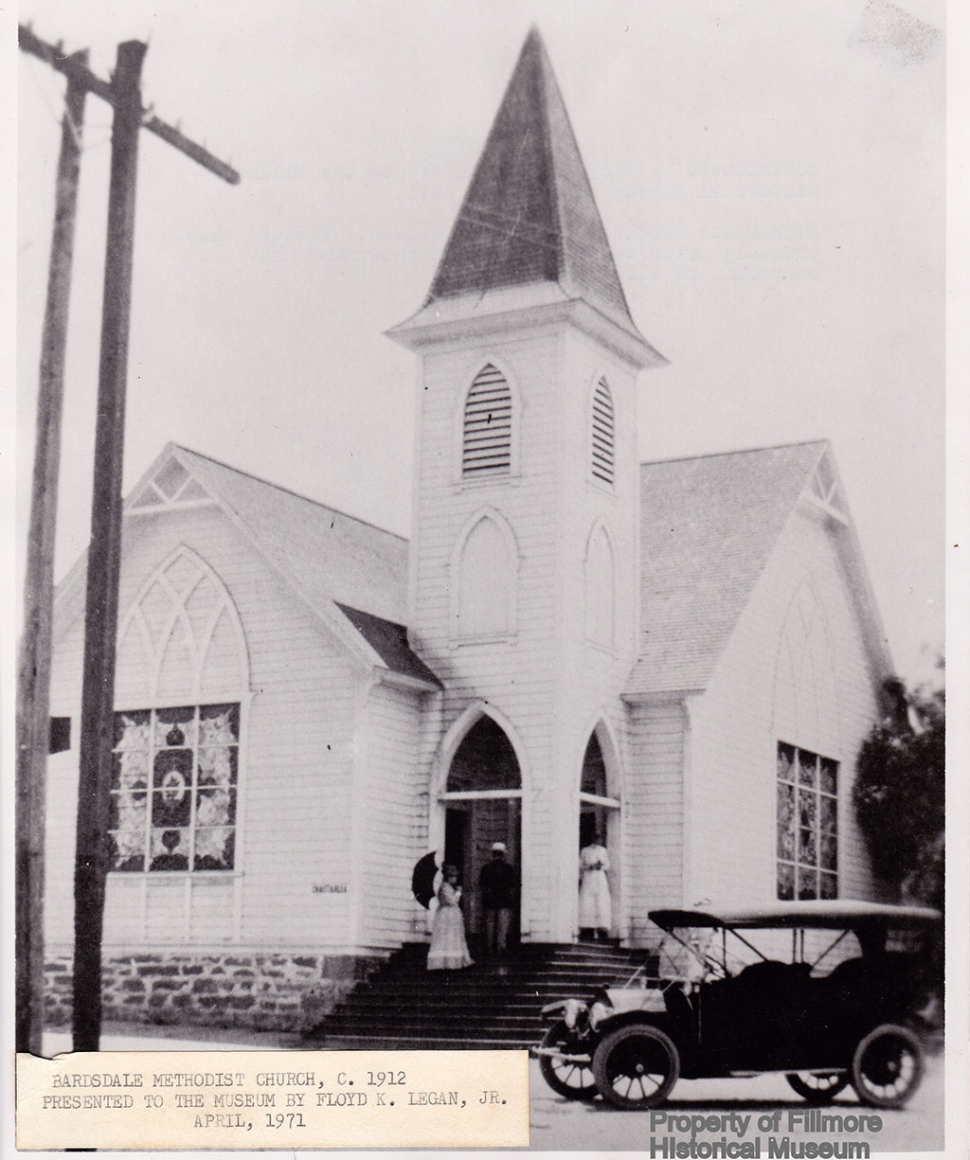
[{"x": 497, "y": 885}]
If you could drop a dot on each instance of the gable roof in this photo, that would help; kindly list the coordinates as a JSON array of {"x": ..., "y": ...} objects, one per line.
[
  {"x": 529, "y": 215},
  {"x": 327, "y": 554},
  {"x": 324, "y": 555},
  {"x": 708, "y": 526}
]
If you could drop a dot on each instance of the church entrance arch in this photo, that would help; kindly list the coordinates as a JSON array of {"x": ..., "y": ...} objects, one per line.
[
  {"x": 482, "y": 799},
  {"x": 599, "y": 822}
]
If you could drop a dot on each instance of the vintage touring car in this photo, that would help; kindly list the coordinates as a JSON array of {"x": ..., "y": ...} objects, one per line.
[{"x": 823, "y": 991}]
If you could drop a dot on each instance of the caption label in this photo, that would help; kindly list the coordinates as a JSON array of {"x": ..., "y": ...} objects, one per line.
[{"x": 274, "y": 1099}]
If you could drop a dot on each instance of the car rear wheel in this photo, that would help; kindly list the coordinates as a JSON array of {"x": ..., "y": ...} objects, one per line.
[
  {"x": 887, "y": 1066},
  {"x": 636, "y": 1067},
  {"x": 566, "y": 1077},
  {"x": 817, "y": 1087}
]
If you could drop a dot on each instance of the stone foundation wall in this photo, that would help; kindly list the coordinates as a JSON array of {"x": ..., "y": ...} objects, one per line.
[{"x": 265, "y": 992}]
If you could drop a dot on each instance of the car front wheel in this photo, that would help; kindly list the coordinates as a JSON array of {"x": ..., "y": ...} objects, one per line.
[
  {"x": 887, "y": 1066},
  {"x": 568, "y": 1078},
  {"x": 636, "y": 1067},
  {"x": 817, "y": 1087}
]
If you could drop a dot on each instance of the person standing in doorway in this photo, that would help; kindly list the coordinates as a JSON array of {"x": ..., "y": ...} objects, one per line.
[
  {"x": 497, "y": 885},
  {"x": 595, "y": 905},
  {"x": 449, "y": 950}
]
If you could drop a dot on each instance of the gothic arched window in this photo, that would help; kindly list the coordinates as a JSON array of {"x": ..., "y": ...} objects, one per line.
[
  {"x": 182, "y": 660},
  {"x": 806, "y": 719},
  {"x": 487, "y": 427},
  {"x": 600, "y": 588},
  {"x": 603, "y": 433},
  {"x": 485, "y": 591}
]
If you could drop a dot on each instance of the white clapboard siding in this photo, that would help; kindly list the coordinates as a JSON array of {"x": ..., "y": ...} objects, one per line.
[
  {"x": 296, "y": 757},
  {"x": 59, "y": 843},
  {"x": 734, "y": 733},
  {"x": 653, "y": 813},
  {"x": 552, "y": 500},
  {"x": 394, "y": 834}
]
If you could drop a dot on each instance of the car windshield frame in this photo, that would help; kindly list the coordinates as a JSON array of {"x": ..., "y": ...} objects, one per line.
[{"x": 870, "y": 923}]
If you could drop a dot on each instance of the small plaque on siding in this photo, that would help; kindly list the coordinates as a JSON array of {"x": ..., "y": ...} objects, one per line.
[{"x": 330, "y": 888}]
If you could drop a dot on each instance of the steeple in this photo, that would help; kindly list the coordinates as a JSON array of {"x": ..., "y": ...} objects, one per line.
[{"x": 529, "y": 218}]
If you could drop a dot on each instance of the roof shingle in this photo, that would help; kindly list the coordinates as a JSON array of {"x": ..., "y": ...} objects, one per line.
[
  {"x": 708, "y": 526},
  {"x": 328, "y": 555},
  {"x": 529, "y": 215}
]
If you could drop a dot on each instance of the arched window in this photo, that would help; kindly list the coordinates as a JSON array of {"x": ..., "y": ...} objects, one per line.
[
  {"x": 604, "y": 433},
  {"x": 600, "y": 588},
  {"x": 487, "y": 426},
  {"x": 806, "y": 718},
  {"x": 485, "y": 761},
  {"x": 182, "y": 661},
  {"x": 806, "y": 702},
  {"x": 599, "y": 807},
  {"x": 485, "y": 589}
]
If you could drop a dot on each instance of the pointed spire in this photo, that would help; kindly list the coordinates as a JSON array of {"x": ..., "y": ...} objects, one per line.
[{"x": 529, "y": 215}]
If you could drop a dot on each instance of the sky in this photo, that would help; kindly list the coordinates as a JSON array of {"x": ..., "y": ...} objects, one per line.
[{"x": 771, "y": 178}]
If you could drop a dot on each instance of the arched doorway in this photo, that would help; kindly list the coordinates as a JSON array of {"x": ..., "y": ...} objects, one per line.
[
  {"x": 599, "y": 816},
  {"x": 483, "y": 805}
]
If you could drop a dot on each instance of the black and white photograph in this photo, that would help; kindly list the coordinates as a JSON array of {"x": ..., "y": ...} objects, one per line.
[{"x": 480, "y": 550}]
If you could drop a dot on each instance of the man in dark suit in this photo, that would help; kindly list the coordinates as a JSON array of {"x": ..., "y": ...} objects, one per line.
[{"x": 498, "y": 885}]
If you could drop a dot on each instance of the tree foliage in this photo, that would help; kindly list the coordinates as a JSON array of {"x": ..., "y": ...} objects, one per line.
[{"x": 900, "y": 792}]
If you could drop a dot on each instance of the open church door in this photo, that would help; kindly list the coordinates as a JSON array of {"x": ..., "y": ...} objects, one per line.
[
  {"x": 483, "y": 805},
  {"x": 599, "y": 821}
]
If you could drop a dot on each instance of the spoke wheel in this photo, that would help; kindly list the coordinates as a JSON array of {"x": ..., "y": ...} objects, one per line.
[
  {"x": 887, "y": 1066},
  {"x": 566, "y": 1078},
  {"x": 817, "y": 1087},
  {"x": 636, "y": 1067}
]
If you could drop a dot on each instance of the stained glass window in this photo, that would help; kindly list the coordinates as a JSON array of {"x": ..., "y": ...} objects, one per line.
[
  {"x": 173, "y": 792},
  {"x": 807, "y": 842}
]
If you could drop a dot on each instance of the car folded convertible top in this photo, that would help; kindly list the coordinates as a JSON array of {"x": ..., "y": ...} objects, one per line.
[{"x": 814, "y": 914}]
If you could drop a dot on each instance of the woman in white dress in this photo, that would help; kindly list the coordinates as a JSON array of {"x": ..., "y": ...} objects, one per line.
[
  {"x": 595, "y": 905},
  {"x": 448, "y": 950}
]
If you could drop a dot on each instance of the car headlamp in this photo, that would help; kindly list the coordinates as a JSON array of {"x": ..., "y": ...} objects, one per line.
[
  {"x": 572, "y": 1009},
  {"x": 598, "y": 1012}
]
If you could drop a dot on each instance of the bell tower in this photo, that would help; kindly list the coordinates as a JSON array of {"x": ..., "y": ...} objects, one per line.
[{"x": 523, "y": 570}]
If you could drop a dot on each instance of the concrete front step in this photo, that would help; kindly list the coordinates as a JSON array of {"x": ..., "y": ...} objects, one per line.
[
  {"x": 521, "y": 1036},
  {"x": 414, "y": 1019},
  {"x": 519, "y": 1003},
  {"x": 495, "y": 1004},
  {"x": 581, "y": 985},
  {"x": 413, "y": 1043}
]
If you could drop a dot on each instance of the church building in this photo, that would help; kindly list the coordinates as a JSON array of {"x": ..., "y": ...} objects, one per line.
[{"x": 683, "y": 657}]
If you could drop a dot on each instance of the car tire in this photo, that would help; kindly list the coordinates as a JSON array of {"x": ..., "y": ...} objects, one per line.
[
  {"x": 887, "y": 1066},
  {"x": 817, "y": 1087},
  {"x": 636, "y": 1067},
  {"x": 572, "y": 1080}
]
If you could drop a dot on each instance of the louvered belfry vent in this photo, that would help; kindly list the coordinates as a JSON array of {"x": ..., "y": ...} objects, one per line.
[
  {"x": 487, "y": 443},
  {"x": 603, "y": 433}
]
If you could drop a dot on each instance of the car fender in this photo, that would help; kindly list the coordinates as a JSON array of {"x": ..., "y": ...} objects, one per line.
[
  {"x": 662, "y": 1022},
  {"x": 686, "y": 1047}
]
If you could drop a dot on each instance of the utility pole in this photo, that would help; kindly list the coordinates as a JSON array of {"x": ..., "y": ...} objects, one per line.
[
  {"x": 33, "y": 685},
  {"x": 104, "y": 554}
]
